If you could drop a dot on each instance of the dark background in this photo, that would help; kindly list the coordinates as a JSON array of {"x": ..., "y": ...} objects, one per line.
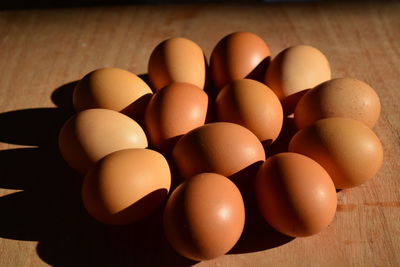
[{"x": 25, "y": 4}]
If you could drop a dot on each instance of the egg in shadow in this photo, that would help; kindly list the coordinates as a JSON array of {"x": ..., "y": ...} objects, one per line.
[{"x": 144, "y": 206}]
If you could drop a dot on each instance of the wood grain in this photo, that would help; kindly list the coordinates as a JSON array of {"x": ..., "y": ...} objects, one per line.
[{"x": 42, "y": 52}]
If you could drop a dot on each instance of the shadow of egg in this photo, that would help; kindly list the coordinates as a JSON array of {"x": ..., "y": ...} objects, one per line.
[
  {"x": 282, "y": 142},
  {"x": 289, "y": 103},
  {"x": 259, "y": 71},
  {"x": 137, "y": 108},
  {"x": 62, "y": 96}
]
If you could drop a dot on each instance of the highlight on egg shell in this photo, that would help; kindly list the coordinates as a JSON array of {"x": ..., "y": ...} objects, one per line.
[
  {"x": 295, "y": 194},
  {"x": 221, "y": 147},
  {"x": 204, "y": 217},
  {"x": 126, "y": 186},
  {"x": 348, "y": 149},
  {"x": 253, "y": 105},
  {"x": 94, "y": 133},
  {"x": 294, "y": 71},
  {"x": 239, "y": 55},
  {"x": 341, "y": 97},
  {"x": 174, "y": 111},
  {"x": 177, "y": 60},
  {"x": 112, "y": 88}
]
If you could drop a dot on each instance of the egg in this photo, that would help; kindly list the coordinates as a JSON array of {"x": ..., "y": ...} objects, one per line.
[
  {"x": 295, "y": 70},
  {"x": 174, "y": 111},
  {"x": 204, "y": 217},
  {"x": 221, "y": 147},
  {"x": 239, "y": 55},
  {"x": 341, "y": 97},
  {"x": 177, "y": 60},
  {"x": 93, "y": 133},
  {"x": 295, "y": 194},
  {"x": 348, "y": 149},
  {"x": 252, "y": 105},
  {"x": 126, "y": 186},
  {"x": 112, "y": 88}
]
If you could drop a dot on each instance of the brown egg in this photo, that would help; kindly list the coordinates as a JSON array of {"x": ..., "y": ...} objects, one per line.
[
  {"x": 342, "y": 97},
  {"x": 112, "y": 88},
  {"x": 220, "y": 147},
  {"x": 239, "y": 55},
  {"x": 94, "y": 133},
  {"x": 348, "y": 149},
  {"x": 252, "y": 105},
  {"x": 204, "y": 217},
  {"x": 295, "y": 194},
  {"x": 177, "y": 60},
  {"x": 174, "y": 111},
  {"x": 126, "y": 186},
  {"x": 294, "y": 70}
]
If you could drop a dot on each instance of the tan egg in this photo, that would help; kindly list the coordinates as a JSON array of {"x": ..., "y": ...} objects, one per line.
[
  {"x": 126, "y": 186},
  {"x": 342, "y": 97},
  {"x": 295, "y": 194},
  {"x": 94, "y": 133},
  {"x": 252, "y": 105},
  {"x": 294, "y": 70},
  {"x": 112, "y": 88},
  {"x": 177, "y": 60},
  {"x": 348, "y": 149},
  {"x": 220, "y": 147},
  {"x": 204, "y": 217},
  {"x": 239, "y": 55},
  {"x": 174, "y": 111}
]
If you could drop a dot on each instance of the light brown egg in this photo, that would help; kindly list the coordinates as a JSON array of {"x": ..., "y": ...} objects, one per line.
[
  {"x": 204, "y": 217},
  {"x": 112, "y": 88},
  {"x": 126, "y": 186},
  {"x": 342, "y": 97},
  {"x": 252, "y": 105},
  {"x": 294, "y": 70},
  {"x": 94, "y": 133},
  {"x": 295, "y": 194},
  {"x": 348, "y": 149},
  {"x": 177, "y": 60},
  {"x": 220, "y": 147},
  {"x": 174, "y": 111},
  {"x": 239, "y": 55}
]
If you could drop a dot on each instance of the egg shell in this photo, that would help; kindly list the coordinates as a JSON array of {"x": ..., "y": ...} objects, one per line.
[
  {"x": 112, "y": 88},
  {"x": 239, "y": 55},
  {"x": 177, "y": 60},
  {"x": 295, "y": 194},
  {"x": 94, "y": 133},
  {"x": 252, "y": 105},
  {"x": 296, "y": 69},
  {"x": 204, "y": 216},
  {"x": 348, "y": 149},
  {"x": 126, "y": 186},
  {"x": 341, "y": 97},
  {"x": 174, "y": 111},
  {"x": 221, "y": 147}
]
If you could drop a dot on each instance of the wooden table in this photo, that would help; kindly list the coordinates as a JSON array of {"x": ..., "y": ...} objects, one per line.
[{"x": 42, "y": 52}]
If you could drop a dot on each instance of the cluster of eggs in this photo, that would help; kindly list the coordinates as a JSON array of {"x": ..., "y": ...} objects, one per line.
[{"x": 214, "y": 124}]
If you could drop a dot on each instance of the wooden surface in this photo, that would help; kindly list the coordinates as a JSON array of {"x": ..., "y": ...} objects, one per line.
[{"x": 42, "y": 221}]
